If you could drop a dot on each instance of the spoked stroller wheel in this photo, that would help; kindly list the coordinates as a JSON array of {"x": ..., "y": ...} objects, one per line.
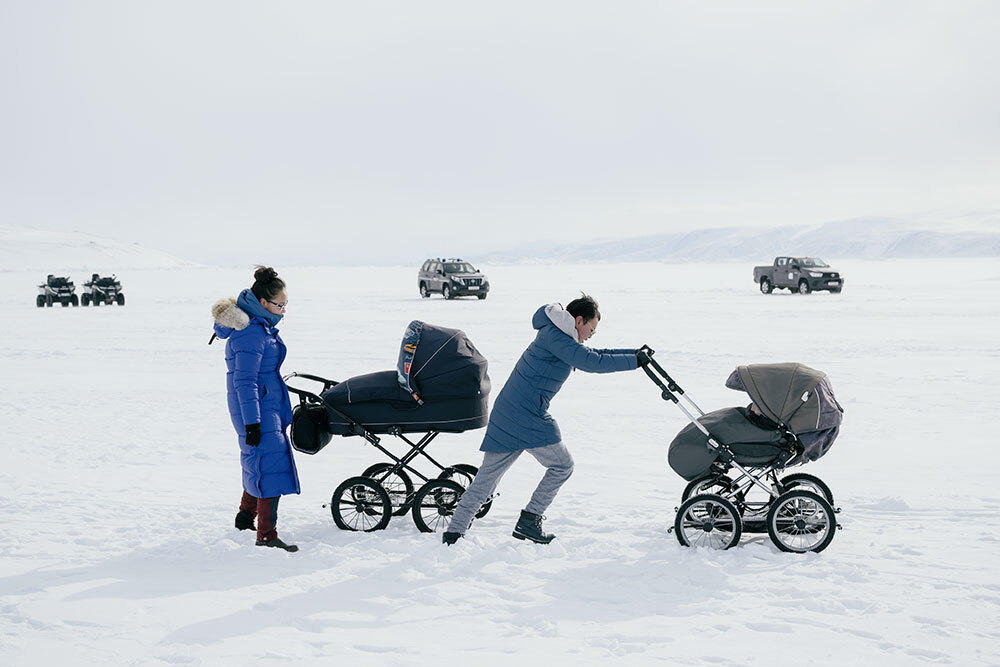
[
  {"x": 708, "y": 520},
  {"x": 360, "y": 503},
  {"x": 720, "y": 485},
  {"x": 434, "y": 504},
  {"x": 463, "y": 474},
  {"x": 397, "y": 484},
  {"x": 801, "y": 521},
  {"x": 805, "y": 482}
]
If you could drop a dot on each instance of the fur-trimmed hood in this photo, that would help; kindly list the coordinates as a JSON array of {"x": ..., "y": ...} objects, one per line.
[{"x": 228, "y": 317}]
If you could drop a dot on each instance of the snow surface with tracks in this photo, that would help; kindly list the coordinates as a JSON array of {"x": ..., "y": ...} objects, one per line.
[{"x": 120, "y": 479}]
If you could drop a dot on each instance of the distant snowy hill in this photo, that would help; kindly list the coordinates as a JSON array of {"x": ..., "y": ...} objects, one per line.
[
  {"x": 973, "y": 235},
  {"x": 23, "y": 249}
]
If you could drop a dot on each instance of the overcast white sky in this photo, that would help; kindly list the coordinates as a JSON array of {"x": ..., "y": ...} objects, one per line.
[{"x": 230, "y": 130}]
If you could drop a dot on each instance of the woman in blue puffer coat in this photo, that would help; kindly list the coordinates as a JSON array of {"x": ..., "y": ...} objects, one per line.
[
  {"x": 520, "y": 420},
  {"x": 258, "y": 401}
]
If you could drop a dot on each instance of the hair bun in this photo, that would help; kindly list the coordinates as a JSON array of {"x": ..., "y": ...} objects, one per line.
[{"x": 265, "y": 274}]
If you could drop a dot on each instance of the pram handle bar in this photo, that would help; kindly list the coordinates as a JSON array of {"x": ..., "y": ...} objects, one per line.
[
  {"x": 671, "y": 390},
  {"x": 326, "y": 383}
]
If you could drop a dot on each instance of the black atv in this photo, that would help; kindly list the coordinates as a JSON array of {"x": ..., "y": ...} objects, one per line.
[
  {"x": 57, "y": 289},
  {"x": 107, "y": 289}
]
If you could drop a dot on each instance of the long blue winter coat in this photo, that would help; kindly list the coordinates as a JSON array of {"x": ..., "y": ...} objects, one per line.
[
  {"x": 520, "y": 417},
  {"x": 257, "y": 394}
]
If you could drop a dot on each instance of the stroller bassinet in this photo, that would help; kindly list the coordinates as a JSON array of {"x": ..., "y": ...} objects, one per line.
[
  {"x": 791, "y": 394},
  {"x": 440, "y": 384}
]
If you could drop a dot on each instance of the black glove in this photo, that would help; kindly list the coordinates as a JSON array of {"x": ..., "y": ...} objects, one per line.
[
  {"x": 643, "y": 355},
  {"x": 253, "y": 434}
]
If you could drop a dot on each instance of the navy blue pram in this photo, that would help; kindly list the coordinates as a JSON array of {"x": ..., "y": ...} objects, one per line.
[{"x": 440, "y": 385}]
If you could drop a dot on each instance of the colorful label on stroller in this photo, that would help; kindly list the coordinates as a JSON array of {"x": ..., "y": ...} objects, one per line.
[{"x": 405, "y": 364}]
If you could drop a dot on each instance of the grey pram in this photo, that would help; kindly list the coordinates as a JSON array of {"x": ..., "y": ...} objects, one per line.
[{"x": 726, "y": 454}]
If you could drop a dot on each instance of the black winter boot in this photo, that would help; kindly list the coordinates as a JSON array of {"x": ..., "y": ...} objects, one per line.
[
  {"x": 450, "y": 538},
  {"x": 276, "y": 542},
  {"x": 244, "y": 520},
  {"x": 529, "y": 527}
]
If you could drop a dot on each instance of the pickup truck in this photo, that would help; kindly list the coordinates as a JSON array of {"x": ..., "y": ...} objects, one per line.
[{"x": 798, "y": 274}]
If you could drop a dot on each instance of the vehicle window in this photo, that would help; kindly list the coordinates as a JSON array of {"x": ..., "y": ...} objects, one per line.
[
  {"x": 782, "y": 261},
  {"x": 426, "y": 266},
  {"x": 813, "y": 261},
  {"x": 459, "y": 267}
]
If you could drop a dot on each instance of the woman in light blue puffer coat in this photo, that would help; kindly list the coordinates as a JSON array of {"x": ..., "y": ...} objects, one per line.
[
  {"x": 520, "y": 420},
  {"x": 259, "y": 405}
]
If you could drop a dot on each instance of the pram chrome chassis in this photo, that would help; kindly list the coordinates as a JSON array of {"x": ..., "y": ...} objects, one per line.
[
  {"x": 797, "y": 512},
  {"x": 368, "y": 501}
]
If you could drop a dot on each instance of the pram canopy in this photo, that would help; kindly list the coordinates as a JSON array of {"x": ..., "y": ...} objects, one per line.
[
  {"x": 792, "y": 394},
  {"x": 441, "y": 384}
]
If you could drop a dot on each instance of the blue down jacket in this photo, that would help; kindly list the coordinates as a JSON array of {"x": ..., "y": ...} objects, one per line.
[
  {"x": 256, "y": 393},
  {"x": 520, "y": 417}
]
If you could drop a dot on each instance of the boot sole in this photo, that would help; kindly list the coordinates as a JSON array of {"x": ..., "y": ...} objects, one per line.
[{"x": 531, "y": 539}]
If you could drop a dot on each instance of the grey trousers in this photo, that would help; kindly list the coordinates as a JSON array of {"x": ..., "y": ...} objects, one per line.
[{"x": 559, "y": 466}]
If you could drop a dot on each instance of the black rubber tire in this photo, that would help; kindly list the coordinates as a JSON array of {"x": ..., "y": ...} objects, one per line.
[
  {"x": 464, "y": 473},
  {"x": 700, "y": 516},
  {"x": 48, "y": 301},
  {"x": 398, "y": 485},
  {"x": 85, "y": 299},
  {"x": 120, "y": 299},
  {"x": 481, "y": 295},
  {"x": 424, "y": 293},
  {"x": 836, "y": 291},
  {"x": 40, "y": 301},
  {"x": 96, "y": 300},
  {"x": 434, "y": 504},
  {"x": 366, "y": 503},
  {"x": 801, "y": 514},
  {"x": 804, "y": 287},
  {"x": 75, "y": 300},
  {"x": 446, "y": 291},
  {"x": 806, "y": 482},
  {"x": 765, "y": 286},
  {"x": 717, "y": 485}
]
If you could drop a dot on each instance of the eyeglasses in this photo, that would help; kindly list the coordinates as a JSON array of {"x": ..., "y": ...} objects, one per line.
[{"x": 277, "y": 305}]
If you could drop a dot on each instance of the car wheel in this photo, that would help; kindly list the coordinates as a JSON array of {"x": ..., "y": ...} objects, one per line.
[
  {"x": 120, "y": 299},
  {"x": 424, "y": 293},
  {"x": 804, "y": 287},
  {"x": 765, "y": 286},
  {"x": 481, "y": 296},
  {"x": 835, "y": 290},
  {"x": 446, "y": 291},
  {"x": 40, "y": 301}
]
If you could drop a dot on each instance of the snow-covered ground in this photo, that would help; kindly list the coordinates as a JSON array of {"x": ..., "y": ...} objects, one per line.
[{"x": 120, "y": 478}]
